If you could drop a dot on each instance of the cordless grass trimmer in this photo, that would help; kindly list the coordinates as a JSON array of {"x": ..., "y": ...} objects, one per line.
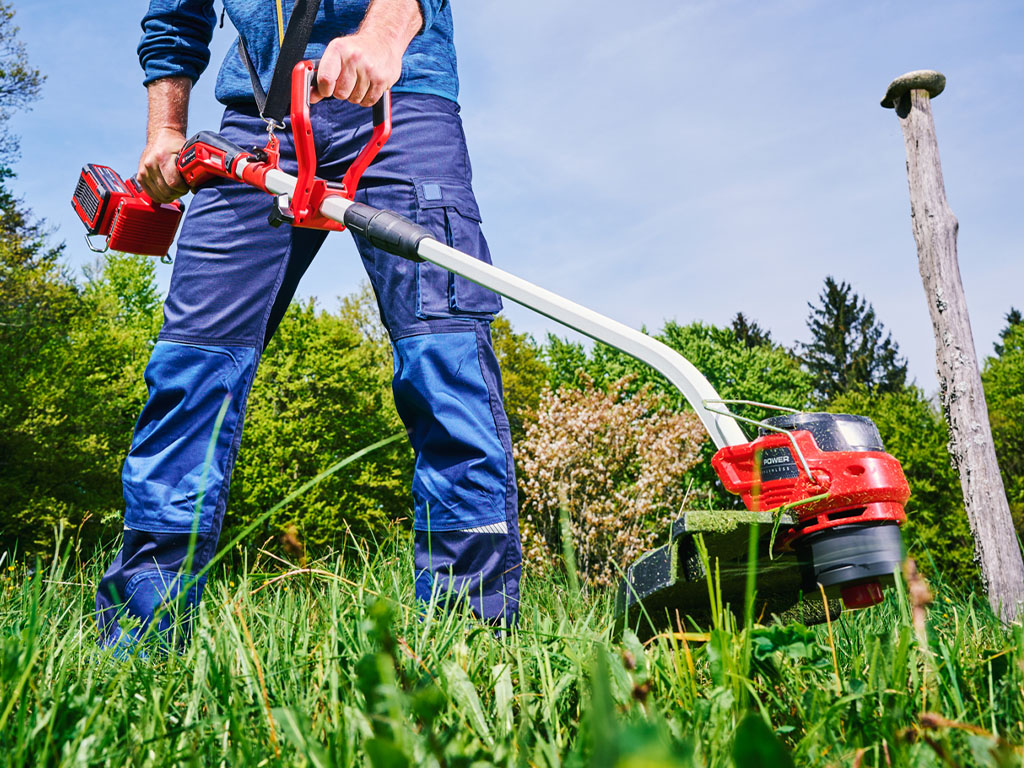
[{"x": 828, "y": 471}]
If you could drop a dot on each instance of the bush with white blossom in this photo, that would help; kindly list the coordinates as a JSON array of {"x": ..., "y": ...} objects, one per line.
[{"x": 616, "y": 462}]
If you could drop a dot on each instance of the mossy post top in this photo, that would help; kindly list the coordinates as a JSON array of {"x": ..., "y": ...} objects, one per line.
[{"x": 923, "y": 79}]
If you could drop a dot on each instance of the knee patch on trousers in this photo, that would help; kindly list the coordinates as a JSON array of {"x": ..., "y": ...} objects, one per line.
[
  {"x": 164, "y": 475},
  {"x": 461, "y": 473}
]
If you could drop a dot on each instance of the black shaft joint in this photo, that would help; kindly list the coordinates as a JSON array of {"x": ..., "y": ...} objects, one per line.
[{"x": 386, "y": 230}]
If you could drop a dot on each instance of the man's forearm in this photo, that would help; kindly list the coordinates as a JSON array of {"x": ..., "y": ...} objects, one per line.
[
  {"x": 165, "y": 134},
  {"x": 168, "y": 106},
  {"x": 394, "y": 22}
]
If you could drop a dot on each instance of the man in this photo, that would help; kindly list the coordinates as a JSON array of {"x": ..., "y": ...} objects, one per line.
[{"x": 234, "y": 276}]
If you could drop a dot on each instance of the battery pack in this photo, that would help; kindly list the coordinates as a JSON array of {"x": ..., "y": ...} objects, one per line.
[
  {"x": 100, "y": 189},
  {"x": 119, "y": 209}
]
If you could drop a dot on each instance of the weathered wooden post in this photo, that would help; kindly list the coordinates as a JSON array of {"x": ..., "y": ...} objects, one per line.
[{"x": 963, "y": 399}]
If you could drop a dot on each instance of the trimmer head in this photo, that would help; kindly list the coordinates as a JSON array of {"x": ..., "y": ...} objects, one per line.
[
  {"x": 831, "y": 472},
  {"x": 854, "y": 559}
]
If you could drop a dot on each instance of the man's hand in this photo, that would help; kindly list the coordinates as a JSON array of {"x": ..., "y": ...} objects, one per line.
[
  {"x": 165, "y": 134},
  {"x": 158, "y": 175},
  {"x": 357, "y": 68},
  {"x": 360, "y": 67}
]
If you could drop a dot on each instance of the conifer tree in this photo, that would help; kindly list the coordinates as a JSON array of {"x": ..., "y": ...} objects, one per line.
[
  {"x": 849, "y": 346},
  {"x": 749, "y": 332},
  {"x": 1013, "y": 320}
]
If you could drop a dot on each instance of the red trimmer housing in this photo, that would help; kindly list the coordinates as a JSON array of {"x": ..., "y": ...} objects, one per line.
[
  {"x": 119, "y": 210},
  {"x": 832, "y": 473}
]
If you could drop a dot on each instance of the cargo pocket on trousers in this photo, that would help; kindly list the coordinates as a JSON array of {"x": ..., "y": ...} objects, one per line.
[{"x": 448, "y": 209}]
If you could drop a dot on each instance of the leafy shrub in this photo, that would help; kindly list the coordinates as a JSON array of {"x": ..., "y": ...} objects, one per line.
[
  {"x": 737, "y": 369},
  {"x": 73, "y": 390},
  {"x": 617, "y": 464}
]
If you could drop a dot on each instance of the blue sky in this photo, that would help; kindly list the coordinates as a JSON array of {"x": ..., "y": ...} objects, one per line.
[{"x": 661, "y": 159}]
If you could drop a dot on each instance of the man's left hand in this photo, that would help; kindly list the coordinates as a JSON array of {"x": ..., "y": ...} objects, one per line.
[{"x": 357, "y": 68}]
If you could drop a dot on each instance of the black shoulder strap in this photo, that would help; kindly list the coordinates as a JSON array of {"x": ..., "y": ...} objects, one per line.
[{"x": 276, "y": 103}]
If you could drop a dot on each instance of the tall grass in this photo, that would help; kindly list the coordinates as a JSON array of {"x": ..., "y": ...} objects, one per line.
[{"x": 330, "y": 665}]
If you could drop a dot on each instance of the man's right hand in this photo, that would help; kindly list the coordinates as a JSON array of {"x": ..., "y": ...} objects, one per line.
[
  {"x": 165, "y": 135},
  {"x": 158, "y": 174}
]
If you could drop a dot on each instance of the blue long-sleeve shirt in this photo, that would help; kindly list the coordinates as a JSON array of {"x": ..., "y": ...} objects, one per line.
[{"x": 176, "y": 38}]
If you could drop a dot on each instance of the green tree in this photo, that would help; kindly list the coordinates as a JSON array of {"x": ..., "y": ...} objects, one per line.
[
  {"x": 1013, "y": 320},
  {"x": 36, "y": 293},
  {"x": 321, "y": 393},
  {"x": 20, "y": 83},
  {"x": 915, "y": 432},
  {"x": 37, "y": 296},
  {"x": 63, "y": 422},
  {"x": 766, "y": 372},
  {"x": 849, "y": 347},
  {"x": 749, "y": 332},
  {"x": 566, "y": 360},
  {"x": 36, "y": 303},
  {"x": 72, "y": 396},
  {"x": 1003, "y": 376}
]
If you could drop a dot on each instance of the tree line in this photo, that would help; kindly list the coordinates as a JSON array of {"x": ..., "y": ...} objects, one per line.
[{"x": 73, "y": 349}]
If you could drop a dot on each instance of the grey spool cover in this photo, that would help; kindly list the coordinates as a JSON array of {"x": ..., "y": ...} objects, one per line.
[
  {"x": 832, "y": 431},
  {"x": 850, "y": 553}
]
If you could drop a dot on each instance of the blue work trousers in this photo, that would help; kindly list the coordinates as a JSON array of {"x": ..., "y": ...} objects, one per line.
[{"x": 233, "y": 278}]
